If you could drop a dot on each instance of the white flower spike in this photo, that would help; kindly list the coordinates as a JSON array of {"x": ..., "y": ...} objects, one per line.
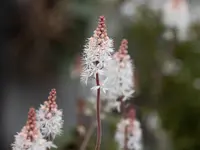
[
  {"x": 96, "y": 53},
  {"x": 30, "y": 137},
  {"x": 120, "y": 74},
  {"x": 129, "y": 133},
  {"x": 176, "y": 14},
  {"x": 49, "y": 118}
]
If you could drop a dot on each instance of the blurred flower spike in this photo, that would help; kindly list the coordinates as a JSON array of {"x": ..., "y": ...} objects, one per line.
[
  {"x": 30, "y": 137},
  {"x": 129, "y": 133},
  {"x": 120, "y": 74}
]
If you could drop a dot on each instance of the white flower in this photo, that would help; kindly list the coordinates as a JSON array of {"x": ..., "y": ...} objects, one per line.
[
  {"x": 21, "y": 143},
  {"x": 30, "y": 137},
  {"x": 49, "y": 118},
  {"x": 133, "y": 135},
  {"x": 177, "y": 15},
  {"x": 96, "y": 53},
  {"x": 120, "y": 75},
  {"x": 112, "y": 104},
  {"x": 50, "y": 127}
]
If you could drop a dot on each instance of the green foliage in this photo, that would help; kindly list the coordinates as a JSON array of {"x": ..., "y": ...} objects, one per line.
[
  {"x": 145, "y": 39},
  {"x": 180, "y": 101}
]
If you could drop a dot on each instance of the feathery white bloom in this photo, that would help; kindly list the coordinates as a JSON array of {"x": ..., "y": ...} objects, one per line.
[
  {"x": 129, "y": 134},
  {"x": 96, "y": 53},
  {"x": 30, "y": 137},
  {"x": 21, "y": 143},
  {"x": 112, "y": 104},
  {"x": 176, "y": 15},
  {"x": 120, "y": 75},
  {"x": 49, "y": 118}
]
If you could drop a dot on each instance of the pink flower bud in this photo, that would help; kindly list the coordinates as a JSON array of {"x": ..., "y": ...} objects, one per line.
[{"x": 49, "y": 115}]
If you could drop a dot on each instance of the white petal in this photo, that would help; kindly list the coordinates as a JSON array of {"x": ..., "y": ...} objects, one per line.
[{"x": 95, "y": 88}]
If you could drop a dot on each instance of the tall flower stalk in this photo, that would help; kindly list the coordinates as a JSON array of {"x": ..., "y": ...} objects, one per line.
[
  {"x": 95, "y": 58},
  {"x": 30, "y": 137}
]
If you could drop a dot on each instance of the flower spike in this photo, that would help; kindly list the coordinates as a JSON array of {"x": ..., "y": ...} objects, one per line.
[
  {"x": 50, "y": 118},
  {"x": 97, "y": 52},
  {"x": 30, "y": 137},
  {"x": 120, "y": 74}
]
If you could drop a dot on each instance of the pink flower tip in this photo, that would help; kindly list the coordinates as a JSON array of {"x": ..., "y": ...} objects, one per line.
[
  {"x": 101, "y": 32},
  {"x": 51, "y": 103},
  {"x": 31, "y": 129},
  {"x": 123, "y": 49},
  {"x": 53, "y": 92},
  {"x": 131, "y": 113}
]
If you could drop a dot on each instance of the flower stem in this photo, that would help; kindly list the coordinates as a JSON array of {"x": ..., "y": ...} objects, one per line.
[
  {"x": 122, "y": 107},
  {"x": 98, "y": 143},
  {"x": 88, "y": 136},
  {"x": 126, "y": 138}
]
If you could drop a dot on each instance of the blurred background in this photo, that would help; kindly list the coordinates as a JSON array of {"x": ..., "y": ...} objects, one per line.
[{"x": 40, "y": 47}]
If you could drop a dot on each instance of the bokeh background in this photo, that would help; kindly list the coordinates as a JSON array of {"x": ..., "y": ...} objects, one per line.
[{"x": 40, "y": 46}]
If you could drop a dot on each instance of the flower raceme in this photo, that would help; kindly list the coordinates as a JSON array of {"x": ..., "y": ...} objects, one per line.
[
  {"x": 30, "y": 137},
  {"x": 129, "y": 133},
  {"x": 96, "y": 53},
  {"x": 176, "y": 14},
  {"x": 49, "y": 118},
  {"x": 120, "y": 74}
]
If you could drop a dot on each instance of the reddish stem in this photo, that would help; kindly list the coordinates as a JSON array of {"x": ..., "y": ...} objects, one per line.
[
  {"x": 98, "y": 143},
  {"x": 126, "y": 138},
  {"x": 121, "y": 104},
  {"x": 122, "y": 107}
]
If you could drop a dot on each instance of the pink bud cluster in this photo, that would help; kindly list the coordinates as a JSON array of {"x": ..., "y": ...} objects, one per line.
[
  {"x": 30, "y": 131},
  {"x": 175, "y": 3},
  {"x": 123, "y": 49},
  {"x": 49, "y": 117},
  {"x": 122, "y": 54},
  {"x": 101, "y": 32},
  {"x": 50, "y": 105}
]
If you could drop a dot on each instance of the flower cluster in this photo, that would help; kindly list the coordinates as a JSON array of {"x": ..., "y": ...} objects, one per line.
[
  {"x": 129, "y": 133},
  {"x": 176, "y": 15},
  {"x": 113, "y": 74},
  {"x": 97, "y": 52},
  {"x": 30, "y": 137},
  {"x": 120, "y": 74},
  {"x": 49, "y": 118}
]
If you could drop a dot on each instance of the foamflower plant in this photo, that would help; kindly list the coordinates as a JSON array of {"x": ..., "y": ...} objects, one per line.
[
  {"x": 129, "y": 133},
  {"x": 30, "y": 137},
  {"x": 49, "y": 117},
  {"x": 96, "y": 54},
  {"x": 120, "y": 75}
]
